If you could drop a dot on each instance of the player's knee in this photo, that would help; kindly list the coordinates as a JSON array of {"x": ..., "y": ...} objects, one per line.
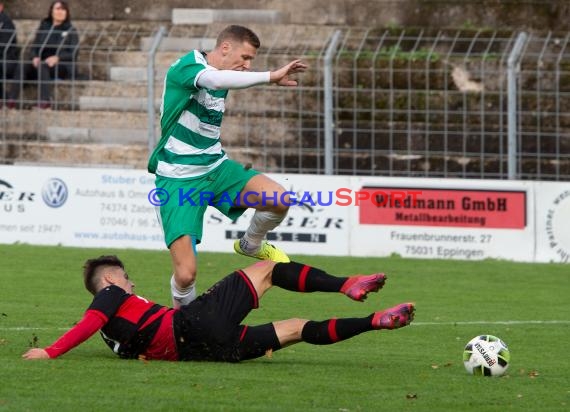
[
  {"x": 281, "y": 201},
  {"x": 260, "y": 274},
  {"x": 295, "y": 328},
  {"x": 289, "y": 331},
  {"x": 185, "y": 276},
  {"x": 280, "y": 208}
]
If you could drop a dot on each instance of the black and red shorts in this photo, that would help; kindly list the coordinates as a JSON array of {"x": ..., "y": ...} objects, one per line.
[{"x": 210, "y": 329}]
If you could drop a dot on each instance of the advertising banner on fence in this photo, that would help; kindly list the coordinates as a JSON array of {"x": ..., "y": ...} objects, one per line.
[
  {"x": 553, "y": 222},
  {"x": 328, "y": 215},
  {"x": 78, "y": 207},
  {"x": 444, "y": 219},
  {"x": 114, "y": 208},
  {"x": 315, "y": 224}
]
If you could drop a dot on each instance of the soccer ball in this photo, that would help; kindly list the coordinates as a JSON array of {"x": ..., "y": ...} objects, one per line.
[{"x": 486, "y": 355}]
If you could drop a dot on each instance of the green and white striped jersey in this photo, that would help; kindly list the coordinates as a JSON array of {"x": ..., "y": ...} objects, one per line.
[{"x": 190, "y": 120}]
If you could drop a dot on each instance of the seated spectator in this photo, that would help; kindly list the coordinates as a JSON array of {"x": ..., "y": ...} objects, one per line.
[
  {"x": 53, "y": 54},
  {"x": 9, "y": 51}
]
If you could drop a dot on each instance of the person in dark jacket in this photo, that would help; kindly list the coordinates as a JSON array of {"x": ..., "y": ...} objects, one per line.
[
  {"x": 53, "y": 53},
  {"x": 9, "y": 51}
]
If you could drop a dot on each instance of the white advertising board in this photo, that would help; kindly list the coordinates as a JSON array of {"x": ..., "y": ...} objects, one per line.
[
  {"x": 443, "y": 219},
  {"x": 315, "y": 225},
  {"x": 78, "y": 207},
  {"x": 553, "y": 222},
  {"x": 111, "y": 208},
  {"x": 331, "y": 215}
]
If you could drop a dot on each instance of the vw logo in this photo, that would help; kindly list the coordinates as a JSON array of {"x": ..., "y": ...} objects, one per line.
[{"x": 54, "y": 192}]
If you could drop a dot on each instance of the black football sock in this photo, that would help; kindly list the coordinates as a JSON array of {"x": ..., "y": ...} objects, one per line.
[
  {"x": 302, "y": 278},
  {"x": 335, "y": 330}
]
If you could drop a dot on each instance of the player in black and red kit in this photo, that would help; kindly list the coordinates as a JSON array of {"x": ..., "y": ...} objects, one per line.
[{"x": 210, "y": 328}]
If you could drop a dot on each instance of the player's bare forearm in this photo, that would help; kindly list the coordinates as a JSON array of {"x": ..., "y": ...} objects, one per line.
[
  {"x": 281, "y": 76},
  {"x": 35, "y": 353}
]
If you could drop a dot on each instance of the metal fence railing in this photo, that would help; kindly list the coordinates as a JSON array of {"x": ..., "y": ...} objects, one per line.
[
  {"x": 385, "y": 102},
  {"x": 415, "y": 103}
]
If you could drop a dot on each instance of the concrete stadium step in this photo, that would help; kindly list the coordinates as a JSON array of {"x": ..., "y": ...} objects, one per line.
[
  {"x": 285, "y": 37},
  {"x": 179, "y": 44},
  {"x": 439, "y": 140},
  {"x": 66, "y": 90},
  {"x": 96, "y": 95},
  {"x": 398, "y": 106},
  {"x": 395, "y": 13},
  {"x": 98, "y": 135},
  {"x": 84, "y": 125},
  {"x": 105, "y": 44},
  {"x": 134, "y": 74},
  {"x": 71, "y": 154},
  {"x": 109, "y": 36},
  {"x": 132, "y": 66},
  {"x": 119, "y": 104},
  {"x": 395, "y": 105},
  {"x": 437, "y": 79},
  {"x": 138, "y": 58},
  {"x": 234, "y": 16},
  {"x": 275, "y": 160},
  {"x": 449, "y": 108},
  {"x": 243, "y": 129},
  {"x": 112, "y": 36},
  {"x": 278, "y": 47},
  {"x": 35, "y": 122},
  {"x": 448, "y": 166},
  {"x": 385, "y": 164},
  {"x": 101, "y": 65},
  {"x": 417, "y": 139},
  {"x": 268, "y": 101},
  {"x": 117, "y": 89}
]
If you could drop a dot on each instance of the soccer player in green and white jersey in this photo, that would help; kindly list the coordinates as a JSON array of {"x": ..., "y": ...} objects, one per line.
[{"x": 189, "y": 159}]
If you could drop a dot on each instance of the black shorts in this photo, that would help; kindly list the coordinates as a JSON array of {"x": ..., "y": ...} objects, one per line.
[{"x": 209, "y": 328}]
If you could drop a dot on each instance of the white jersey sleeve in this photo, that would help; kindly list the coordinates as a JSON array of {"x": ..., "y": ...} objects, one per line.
[{"x": 230, "y": 79}]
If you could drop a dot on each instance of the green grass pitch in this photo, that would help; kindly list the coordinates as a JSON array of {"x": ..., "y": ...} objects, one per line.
[{"x": 417, "y": 368}]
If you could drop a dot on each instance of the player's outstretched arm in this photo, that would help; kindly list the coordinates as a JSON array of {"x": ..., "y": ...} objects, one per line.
[
  {"x": 35, "y": 353},
  {"x": 232, "y": 79},
  {"x": 281, "y": 76},
  {"x": 83, "y": 330}
]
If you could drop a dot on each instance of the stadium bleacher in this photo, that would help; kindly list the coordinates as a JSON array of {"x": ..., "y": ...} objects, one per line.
[{"x": 106, "y": 109}]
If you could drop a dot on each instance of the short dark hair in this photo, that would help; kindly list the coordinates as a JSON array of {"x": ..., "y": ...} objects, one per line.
[
  {"x": 240, "y": 34},
  {"x": 93, "y": 268}
]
